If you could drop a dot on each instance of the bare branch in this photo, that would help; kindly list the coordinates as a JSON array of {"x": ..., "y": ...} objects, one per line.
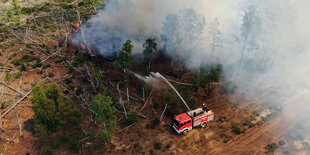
[
  {"x": 7, "y": 111},
  {"x": 1, "y": 82},
  {"x": 162, "y": 114}
]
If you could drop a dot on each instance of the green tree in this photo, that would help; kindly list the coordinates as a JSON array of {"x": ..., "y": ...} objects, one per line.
[
  {"x": 79, "y": 90},
  {"x": 45, "y": 150},
  {"x": 23, "y": 68},
  {"x": 53, "y": 92},
  {"x": 126, "y": 61},
  {"x": 96, "y": 74},
  {"x": 53, "y": 112},
  {"x": 149, "y": 48},
  {"x": 104, "y": 115},
  {"x": 69, "y": 117},
  {"x": 44, "y": 108},
  {"x": 133, "y": 116},
  {"x": 125, "y": 55}
]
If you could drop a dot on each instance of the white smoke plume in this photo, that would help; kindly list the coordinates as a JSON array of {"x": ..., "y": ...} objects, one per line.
[
  {"x": 271, "y": 35},
  {"x": 262, "y": 44}
]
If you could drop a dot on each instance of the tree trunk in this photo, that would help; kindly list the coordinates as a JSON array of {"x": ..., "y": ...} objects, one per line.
[
  {"x": 243, "y": 48},
  {"x": 127, "y": 91}
]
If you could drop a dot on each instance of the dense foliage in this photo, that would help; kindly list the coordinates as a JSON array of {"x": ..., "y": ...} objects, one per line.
[
  {"x": 104, "y": 115},
  {"x": 133, "y": 116},
  {"x": 149, "y": 48},
  {"x": 53, "y": 112}
]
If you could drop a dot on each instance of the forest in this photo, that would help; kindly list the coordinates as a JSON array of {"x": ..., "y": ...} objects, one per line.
[{"x": 78, "y": 77}]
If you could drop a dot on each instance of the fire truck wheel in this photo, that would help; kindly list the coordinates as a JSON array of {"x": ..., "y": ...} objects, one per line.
[
  {"x": 185, "y": 132},
  {"x": 203, "y": 125}
]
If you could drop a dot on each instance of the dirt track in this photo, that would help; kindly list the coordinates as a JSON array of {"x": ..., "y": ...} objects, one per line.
[{"x": 255, "y": 140}]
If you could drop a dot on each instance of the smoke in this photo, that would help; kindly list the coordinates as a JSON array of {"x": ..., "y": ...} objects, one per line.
[
  {"x": 257, "y": 40},
  {"x": 263, "y": 45}
]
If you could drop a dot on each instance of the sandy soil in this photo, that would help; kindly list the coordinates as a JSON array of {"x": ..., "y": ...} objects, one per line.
[{"x": 255, "y": 140}]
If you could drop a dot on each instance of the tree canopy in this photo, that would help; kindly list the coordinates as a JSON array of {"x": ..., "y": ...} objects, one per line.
[
  {"x": 52, "y": 112},
  {"x": 125, "y": 55},
  {"x": 149, "y": 48},
  {"x": 104, "y": 115}
]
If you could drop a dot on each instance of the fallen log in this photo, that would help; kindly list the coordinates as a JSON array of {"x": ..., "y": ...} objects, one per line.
[
  {"x": 121, "y": 100},
  {"x": 141, "y": 116},
  {"x": 147, "y": 100},
  {"x": 15, "y": 104},
  {"x": 19, "y": 125},
  {"x": 11, "y": 87},
  {"x": 162, "y": 114},
  {"x": 125, "y": 128}
]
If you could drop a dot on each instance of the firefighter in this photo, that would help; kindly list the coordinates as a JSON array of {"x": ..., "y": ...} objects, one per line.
[{"x": 204, "y": 107}]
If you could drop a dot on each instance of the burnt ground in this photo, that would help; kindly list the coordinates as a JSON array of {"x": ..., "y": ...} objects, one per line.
[
  {"x": 141, "y": 138},
  {"x": 236, "y": 118}
]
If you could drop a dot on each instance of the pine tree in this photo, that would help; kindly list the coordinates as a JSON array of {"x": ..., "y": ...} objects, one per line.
[
  {"x": 104, "y": 115},
  {"x": 150, "y": 48},
  {"x": 126, "y": 61}
]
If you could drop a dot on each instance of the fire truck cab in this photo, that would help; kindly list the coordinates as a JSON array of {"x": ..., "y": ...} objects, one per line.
[{"x": 187, "y": 121}]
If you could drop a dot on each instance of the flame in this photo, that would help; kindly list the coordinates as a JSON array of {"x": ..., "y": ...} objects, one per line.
[{"x": 54, "y": 41}]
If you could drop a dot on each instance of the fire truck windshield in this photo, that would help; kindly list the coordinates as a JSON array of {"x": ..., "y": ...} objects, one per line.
[{"x": 176, "y": 123}]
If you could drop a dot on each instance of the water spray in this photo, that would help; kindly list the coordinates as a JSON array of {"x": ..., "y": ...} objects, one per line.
[{"x": 154, "y": 78}]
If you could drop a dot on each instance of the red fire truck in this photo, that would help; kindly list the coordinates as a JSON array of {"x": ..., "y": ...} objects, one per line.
[{"x": 187, "y": 121}]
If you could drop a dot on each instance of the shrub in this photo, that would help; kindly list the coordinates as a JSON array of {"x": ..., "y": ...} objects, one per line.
[
  {"x": 70, "y": 69},
  {"x": 74, "y": 146},
  {"x": 17, "y": 75},
  {"x": 37, "y": 64},
  {"x": 281, "y": 143},
  {"x": 133, "y": 116},
  {"x": 157, "y": 146},
  {"x": 62, "y": 59},
  {"x": 3, "y": 105},
  {"x": 8, "y": 77},
  {"x": 45, "y": 150},
  {"x": 23, "y": 68},
  {"x": 68, "y": 80},
  {"x": 249, "y": 124},
  {"x": 50, "y": 74},
  {"x": 272, "y": 147},
  {"x": 70, "y": 87},
  {"x": 79, "y": 90},
  {"x": 236, "y": 130},
  {"x": 156, "y": 105},
  {"x": 25, "y": 10},
  {"x": 168, "y": 112},
  {"x": 46, "y": 66},
  {"x": 155, "y": 122},
  {"x": 107, "y": 92},
  {"x": 227, "y": 88}
]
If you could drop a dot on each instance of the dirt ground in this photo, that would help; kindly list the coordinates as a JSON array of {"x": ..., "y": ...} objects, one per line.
[
  {"x": 140, "y": 138},
  {"x": 217, "y": 138}
]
